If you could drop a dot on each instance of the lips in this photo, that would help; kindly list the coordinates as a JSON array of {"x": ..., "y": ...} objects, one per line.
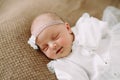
[{"x": 59, "y": 50}]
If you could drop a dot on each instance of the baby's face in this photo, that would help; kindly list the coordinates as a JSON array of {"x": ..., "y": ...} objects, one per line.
[{"x": 56, "y": 41}]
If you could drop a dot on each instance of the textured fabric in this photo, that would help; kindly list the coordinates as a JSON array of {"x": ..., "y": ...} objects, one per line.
[{"x": 18, "y": 61}]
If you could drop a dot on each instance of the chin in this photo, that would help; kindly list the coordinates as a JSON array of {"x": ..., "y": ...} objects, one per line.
[{"x": 66, "y": 55}]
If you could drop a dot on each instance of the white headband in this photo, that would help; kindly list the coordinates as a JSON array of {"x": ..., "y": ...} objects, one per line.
[{"x": 32, "y": 39}]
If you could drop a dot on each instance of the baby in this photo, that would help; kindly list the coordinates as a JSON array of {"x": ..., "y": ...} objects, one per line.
[
  {"x": 53, "y": 36},
  {"x": 79, "y": 53}
]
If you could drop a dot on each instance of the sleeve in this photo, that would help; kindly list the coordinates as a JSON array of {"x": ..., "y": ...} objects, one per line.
[
  {"x": 65, "y": 70},
  {"x": 90, "y": 31}
]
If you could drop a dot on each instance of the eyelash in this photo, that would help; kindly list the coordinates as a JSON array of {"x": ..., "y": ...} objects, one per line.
[
  {"x": 56, "y": 37},
  {"x": 45, "y": 48}
]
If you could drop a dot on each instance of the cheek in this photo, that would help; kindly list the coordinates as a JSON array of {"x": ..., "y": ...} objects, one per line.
[
  {"x": 50, "y": 55},
  {"x": 63, "y": 41}
]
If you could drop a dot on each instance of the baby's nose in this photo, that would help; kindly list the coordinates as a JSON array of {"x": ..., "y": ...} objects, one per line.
[{"x": 53, "y": 45}]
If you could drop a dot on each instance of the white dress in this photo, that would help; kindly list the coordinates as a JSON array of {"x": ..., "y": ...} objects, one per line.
[{"x": 95, "y": 52}]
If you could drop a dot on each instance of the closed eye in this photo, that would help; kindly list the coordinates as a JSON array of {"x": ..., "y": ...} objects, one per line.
[
  {"x": 45, "y": 49},
  {"x": 56, "y": 37}
]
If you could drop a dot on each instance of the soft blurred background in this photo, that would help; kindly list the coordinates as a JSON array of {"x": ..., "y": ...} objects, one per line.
[{"x": 71, "y": 10}]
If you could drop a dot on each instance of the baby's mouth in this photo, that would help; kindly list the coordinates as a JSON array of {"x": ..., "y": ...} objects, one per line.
[{"x": 59, "y": 50}]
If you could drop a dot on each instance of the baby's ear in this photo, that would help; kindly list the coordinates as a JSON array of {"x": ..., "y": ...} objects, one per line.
[{"x": 68, "y": 27}]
